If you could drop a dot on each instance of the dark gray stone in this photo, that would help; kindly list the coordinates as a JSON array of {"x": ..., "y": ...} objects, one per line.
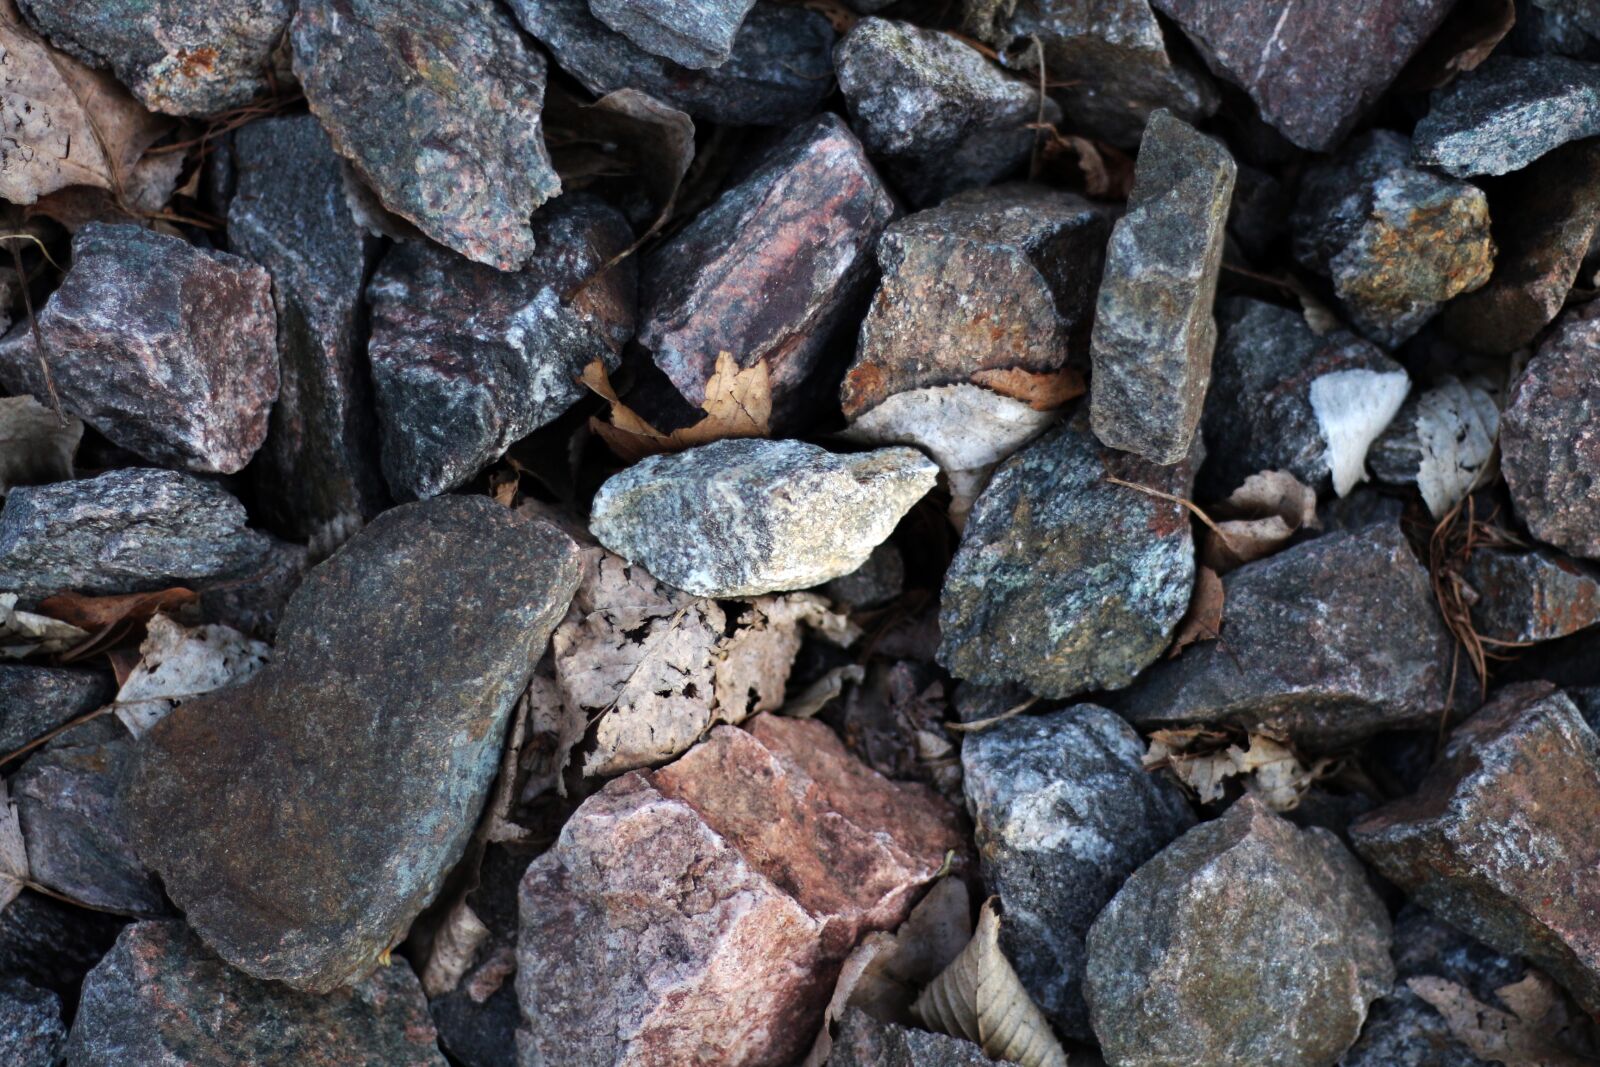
[
  {"x": 1397, "y": 241},
  {"x": 693, "y": 33},
  {"x": 937, "y": 114},
  {"x": 1064, "y": 811},
  {"x": 479, "y": 1035},
  {"x": 991, "y": 279},
  {"x": 437, "y": 104},
  {"x": 879, "y": 580},
  {"x": 31, "y": 1031},
  {"x": 380, "y": 717},
  {"x": 52, "y": 945},
  {"x": 180, "y": 57},
  {"x": 160, "y": 997},
  {"x": 126, "y": 531},
  {"x": 467, "y": 360},
  {"x": 1258, "y": 214},
  {"x": 1531, "y": 596},
  {"x": 863, "y": 1041},
  {"x": 165, "y": 348},
  {"x": 1153, "y": 330},
  {"x": 318, "y": 470},
  {"x": 1312, "y": 69},
  {"x": 1245, "y": 942},
  {"x": 254, "y": 604},
  {"x": 35, "y": 700},
  {"x": 780, "y": 70},
  {"x": 1507, "y": 113},
  {"x": 1064, "y": 582}
]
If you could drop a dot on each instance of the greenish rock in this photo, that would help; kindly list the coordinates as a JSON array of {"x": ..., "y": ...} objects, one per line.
[
  {"x": 693, "y": 33},
  {"x": 31, "y": 1031},
  {"x": 1507, "y": 113}
]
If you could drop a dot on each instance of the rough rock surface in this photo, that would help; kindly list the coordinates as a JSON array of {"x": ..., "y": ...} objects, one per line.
[
  {"x": 31, "y": 1032},
  {"x": 780, "y": 70},
  {"x": 35, "y": 699},
  {"x": 692, "y": 33},
  {"x": 466, "y": 360},
  {"x": 1246, "y": 941},
  {"x": 699, "y": 913},
  {"x": 1550, "y": 439},
  {"x": 381, "y": 716},
  {"x": 1064, "y": 811},
  {"x": 1312, "y": 69},
  {"x": 1153, "y": 330},
  {"x": 745, "y": 517},
  {"x": 1329, "y": 641},
  {"x": 53, "y": 945},
  {"x": 863, "y": 1041},
  {"x": 1496, "y": 840},
  {"x": 125, "y": 531},
  {"x": 160, "y": 997},
  {"x": 768, "y": 270},
  {"x": 437, "y": 104},
  {"x": 1531, "y": 596},
  {"x": 1509, "y": 112},
  {"x": 318, "y": 470},
  {"x": 991, "y": 279},
  {"x": 180, "y": 57},
  {"x": 164, "y": 347},
  {"x": 1397, "y": 241},
  {"x": 936, "y": 113},
  {"x": 1063, "y": 581}
]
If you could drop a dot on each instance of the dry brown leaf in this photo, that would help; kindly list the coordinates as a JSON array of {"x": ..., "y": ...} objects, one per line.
[
  {"x": 1466, "y": 38},
  {"x": 1106, "y": 172},
  {"x": 177, "y": 663},
  {"x": 455, "y": 942},
  {"x": 14, "y": 871},
  {"x": 111, "y": 620},
  {"x": 1203, "y": 620},
  {"x": 25, "y": 633},
  {"x": 979, "y": 997},
  {"x": 1204, "y": 760},
  {"x": 1530, "y": 1035},
  {"x": 1260, "y": 518},
  {"x": 36, "y": 445},
  {"x": 1042, "y": 391},
  {"x": 738, "y": 404}
]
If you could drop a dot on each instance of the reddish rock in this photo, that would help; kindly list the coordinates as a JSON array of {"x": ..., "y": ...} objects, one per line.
[
  {"x": 1499, "y": 838},
  {"x": 699, "y": 914},
  {"x": 1532, "y": 596}
]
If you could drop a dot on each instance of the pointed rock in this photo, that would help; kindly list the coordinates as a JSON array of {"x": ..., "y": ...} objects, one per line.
[
  {"x": 694, "y": 33},
  {"x": 1508, "y": 113}
]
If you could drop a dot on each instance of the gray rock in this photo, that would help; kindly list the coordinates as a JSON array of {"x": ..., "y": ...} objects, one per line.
[
  {"x": 160, "y": 997},
  {"x": 937, "y": 114},
  {"x": 863, "y": 1041},
  {"x": 746, "y": 517},
  {"x": 318, "y": 470},
  {"x": 1245, "y": 942},
  {"x": 779, "y": 72},
  {"x": 52, "y": 945},
  {"x": 126, "y": 531},
  {"x": 437, "y": 105},
  {"x": 165, "y": 348},
  {"x": 990, "y": 280},
  {"x": 35, "y": 700},
  {"x": 693, "y": 33},
  {"x": 31, "y": 1031},
  {"x": 253, "y": 604},
  {"x": 467, "y": 360},
  {"x": 1109, "y": 61},
  {"x": 432, "y": 617},
  {"x": 876, "y": 582},
  {"x": 179, "y": 57},
  {"x": 1064, "y": 582},
  {"x": 1064, "y": 811},
  {"x": 1312, "y": 69},
  {"x": 719, "y": 286},
  {"x": 1531, "y": 596},
  {"x": 1153, "y": 330},
  {"x": 1328, "y": 641},
  {"x": 1507, "y": 113},
  {"x": 478, "y": 1035},
  {"x": 1397, "y": 241}
]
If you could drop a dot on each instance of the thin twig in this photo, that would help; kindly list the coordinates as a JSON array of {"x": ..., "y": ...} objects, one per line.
[
  {"x": 51, "y": 735},
  {"x": 1193, "y": 508},
  {"x": 979, "y": 725}
]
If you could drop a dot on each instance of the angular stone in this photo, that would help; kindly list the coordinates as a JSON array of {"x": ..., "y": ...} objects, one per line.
[
  {"x": 467, "y": 360},
  {"x": 126, "y": 531},
  {"x": 1544, "y": 222},
  {"x": 1396, "y": 240},
  {"x": 746, "y": 517},
  {"x": 1064, "y": 582},
  {"x": 863, "y": 1041},
  {"x": 1550, "y": 438},
  {"x": 161, "y": 997},
  {"x": 165, "y": 348},
  {"x": 1328, "y": 641},
  {"x": 1312, "y": 69},
  {"x": 1531, "y": 596},
  {"x": 698, "y": 914},
  {"x": 35, "y": 700},
  {"x": 179, "y": 57},
  {"x": 318, "y": 471},
  {"x": 692, "y": 33},
  {"x": 356, "y": 762},
  {"x": 936, "y": 113},
  {"x": 1065, "y": 811},
  {"x": 1507, "y": 113},
  {"x": 1027, "y": 256},
  {"x": 1496, "y": 841},
  {"x": 1245, "y": 942},
  {"x": 1153, "y": 330},
  {"x": 779, "y": 72},
  {"x": 770, "y": 270},
  {"x": 31, "y": 1031},
  {"x": 1108, "y": 61},
  {"x": 437, "y": 104}
]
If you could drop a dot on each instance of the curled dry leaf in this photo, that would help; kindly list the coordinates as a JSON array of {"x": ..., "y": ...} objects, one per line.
[
  {"x": 111, "y": 619},
  {"x": 177, "y": 663},
  {"x": 1540, "y": 1030},
  {"x": 738, "y": 404},
  {"x": 36, "y": 445},
  {"x": 1204, "y": 760},
  {"x": 13, "y": 852},
  {"x": 816, "y": 696},
  {"x": 1259, "y": 518},
  {"x": 454, "y": 944},
  {"x": 979, "y": 997},
  {"x": 24, "y": 633},
  {"x": 1203, "y": 620}
]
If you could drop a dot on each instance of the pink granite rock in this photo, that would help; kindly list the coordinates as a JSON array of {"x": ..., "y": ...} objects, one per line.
[{"x": 698, "y": 914}]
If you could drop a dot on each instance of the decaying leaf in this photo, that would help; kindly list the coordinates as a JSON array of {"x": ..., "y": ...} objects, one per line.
[
  {"x": 1540, "y": 1030},
  {"x": 1205, "y": 759},
  {"x": 147, "y": 190},
  {"x": 36, "y": 445},
  {"x": 1106, "y": 172},
  {"x": 13, "y": 852},
  {"x": 1466, "y": 38},
  {"x": 979, "y": 997},
  {"x": 110, "y": 619},
  {"x": 816, "y": 696},
  {"x": 178, "y": 662},
  {"x": 1040, "y": 390},
  {"x": 1457, "y": 424},
  {"x": 454, "y": 944},
  {"x": 1259, "y": 518},
  {"x": 738, "y": 404},
  {"x": 23, "y": 633},
  {"x": 1203, "y": 620}
]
